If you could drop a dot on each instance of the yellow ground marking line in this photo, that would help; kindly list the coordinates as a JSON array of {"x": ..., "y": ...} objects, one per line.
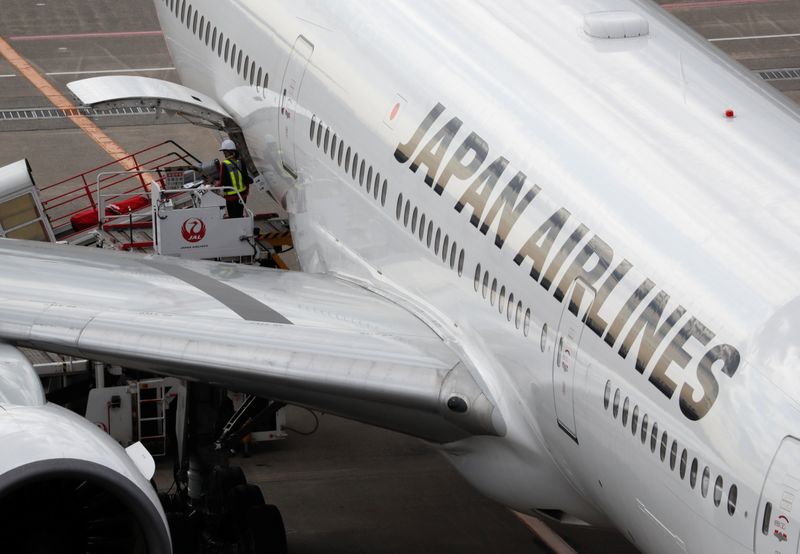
[{"x": 60, "y": 101}]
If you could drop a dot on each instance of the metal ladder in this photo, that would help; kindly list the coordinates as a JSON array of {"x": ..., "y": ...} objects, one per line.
[{"x": 151, "y": 415}]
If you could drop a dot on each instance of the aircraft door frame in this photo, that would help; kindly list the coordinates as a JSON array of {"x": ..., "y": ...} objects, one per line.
[
  {"x": 289, "y": 106},
  {"x": 777, "y": 523},
  {"x": 566, "y": 357}
]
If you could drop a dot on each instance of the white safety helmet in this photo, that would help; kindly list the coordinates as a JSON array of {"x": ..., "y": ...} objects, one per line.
[{"x": 227, "y": 145}]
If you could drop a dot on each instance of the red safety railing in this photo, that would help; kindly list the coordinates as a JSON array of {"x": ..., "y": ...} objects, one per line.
[{"x": 76, "y": 194}]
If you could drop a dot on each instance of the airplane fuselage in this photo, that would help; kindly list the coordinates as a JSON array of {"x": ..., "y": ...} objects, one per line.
[{"x": 617, "y": 258}]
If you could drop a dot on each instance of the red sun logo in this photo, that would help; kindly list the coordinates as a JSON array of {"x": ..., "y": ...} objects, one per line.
[{"x": 193, "y": 230}]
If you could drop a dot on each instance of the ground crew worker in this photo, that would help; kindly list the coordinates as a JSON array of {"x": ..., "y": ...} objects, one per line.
[{"x": 233, "y": 175}]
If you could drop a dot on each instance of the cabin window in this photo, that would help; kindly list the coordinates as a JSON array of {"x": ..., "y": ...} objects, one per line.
[
  {"x": 543, "y": 339},
  {"x": 625, "y": 408},
  {"x": 453, "y": 250},
  {"x": 664, "y": 443},
  {"x": 312, "y": 127},
  {"x": 399, "y": 206},
  {"x": 654, "y": 437},
  {"x": 214, "y": 39},
  {"x": 253, "y": 73},
  {"x": 327, "y": 139},
  {"x": 266, "y": 81},
  {"x": 485, "y": 288},
  {"x": 634, "y": 420},
  {"x": 510, "y": 307},
  {"x": 429, "y": 238},
  {"x": 422, "y": 227},
  {"x": 334, "y": 141},
  {"x": 718, "y": 491},
  {"x": 319, "y": 134},
  {"x": 705, "y": 482},
  {"x": 673, "y": 454},
  {"x": 693, "y": 473},
  {"x": 340, "y": 155},
  {"x": 369, "y": 179},
  {"x": 239, "y": 63},
  {"x": 355, "y": 166},
  {"x": 645, "y": 422},
  {"x": 406, "y": 213},
  {"x": 436, "y": 245},
  {"x": 445, "y": 247},
  {"x": 615, "y": 407},
  {"x": 461, "y": 262},
  {"x": 607, "y": 394},
  {"x": 682, "y": 467},
  {"x": 477, "y": 276},
  {"x": 246, "y": 66},
  {"x": 361, "y": 173},
  {"x": 414, "y": 216},
  {"x": 383, "y": 196},
  {"x": 347, "y": 165},
  {"x": 733, "y": 493},
  {"x": 493, "y": 292}
]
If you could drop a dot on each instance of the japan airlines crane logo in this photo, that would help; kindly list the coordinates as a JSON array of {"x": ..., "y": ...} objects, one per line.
[{"x": 193, "y": 230}]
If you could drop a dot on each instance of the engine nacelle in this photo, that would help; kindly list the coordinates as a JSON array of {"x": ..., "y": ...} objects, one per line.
[{"x": 65, "y": 485}]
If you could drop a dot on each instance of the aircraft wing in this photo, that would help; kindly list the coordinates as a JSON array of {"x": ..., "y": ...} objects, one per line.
[{"x": 311, "y": 340}]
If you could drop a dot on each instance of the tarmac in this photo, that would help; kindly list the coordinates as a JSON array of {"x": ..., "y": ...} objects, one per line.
[{"x": 348, "y": 487}]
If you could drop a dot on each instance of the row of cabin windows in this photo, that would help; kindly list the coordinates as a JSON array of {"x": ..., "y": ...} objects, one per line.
[
  {"x": 513, "y": 312},
  {"x": 663, "y": 446},
  {"x": 416, "y": 220},
  {"x": 202, "y": 28},
  {"x": 363, "y": 174}
]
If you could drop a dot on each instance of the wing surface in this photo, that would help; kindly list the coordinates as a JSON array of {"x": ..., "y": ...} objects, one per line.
[{"x": 312, "y": 340}]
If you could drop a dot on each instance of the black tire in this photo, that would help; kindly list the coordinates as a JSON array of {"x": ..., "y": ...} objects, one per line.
[
  {"x": 264, "y": 532},
  {"x": 221, "y": 482},
  {"x": 237, "y": 502}
]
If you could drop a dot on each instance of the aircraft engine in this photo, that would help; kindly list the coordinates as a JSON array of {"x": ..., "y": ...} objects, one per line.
[{"x": 65, "y": 485}]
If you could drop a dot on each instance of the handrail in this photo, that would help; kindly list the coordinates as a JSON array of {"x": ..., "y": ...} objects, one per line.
[{"x": 62, "y": 207}]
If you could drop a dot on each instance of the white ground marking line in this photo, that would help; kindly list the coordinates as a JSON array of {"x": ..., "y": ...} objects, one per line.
[
  {"x": 106, "y": 71},
  {"x": 550, "y": 538},
  {"x": 754, "y": 37},
  {"x": 7, "y": 76}
]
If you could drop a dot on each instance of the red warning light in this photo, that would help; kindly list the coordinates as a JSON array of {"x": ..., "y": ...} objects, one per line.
[{"x": 729, "y": 113}]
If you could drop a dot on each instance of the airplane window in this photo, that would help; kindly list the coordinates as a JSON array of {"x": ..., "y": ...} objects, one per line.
[
  {"x": 208, "y": 32},
  {"x": 461, "y": 262},
  {"x": 347, "y": 161},
  {"x": 253, "y": 73},
  {"x": 334, "y": 140},
  {"x": 502, "y": 300},
  {"x": 312, "y": 127},
  {"x": 258, "y": 81},
  {"x": 493, "y": 293},
  {"x": 327, "y": 139},
  {"x": 654, "y": 437},
  {"x": 615, "y": 408},
  {"x": 644, "y": 428},
  {"x": 664, "y": 443},
  {"x": 625, "y": 408},
  {"x": 239, "y": 63},
  {"x": 607, "y": 394},
  {"x": 183, "y": 10},
  {"x": 518, "y": 315},
  {"x": 543, "y": 339},
  {"x": 194, "y": 24},
  {"x": 767, "y": 518},
  {"x": 673, "y": 454},
  {"x": 219, "y": 45},
  {"x": 485, "y": 287},
  {"x": 171, "y": 5},
  {"x": 422, "y": 227},
  {"x": 453, "y": 250},
  {"x": 406, "y": 213},
  {"x": 361, "y": 173},
  {"x": 233, "y": 56},
  {"x": 718, "y": 490},
  {"x": 377, "y": 182},
  {"x": 477, "y": 276},
  {"x": 414, "y": 220},
  {"x": 634, "y": 420},
  {"x": 399, "y": 206},
  {"x": 188, "y": 17},
  {"x": 319, "y": 129},
  {"x": 693, "y": 473},
  {"x": 684, "y": 456},
  {"x": 246, "y": 66},
  {"x": 705, "y": 482},
  {"x": 214, "y": 39},
  {"x": 266, "y": 81},
  {"x": 510, "y": 309},
  {"x": 430, "y": 237},
  {"x": 203, "y": 25},
  {"x": 339, "y": 155},
  {"x": 733, "y": 493},
  {"x": 369, "y": 179},
  {"x": 445, "y": 247},
  {"x": 436, "y": 248},
  {"x": 227, "y": 48},
  {"x": 355, "y": 165}
]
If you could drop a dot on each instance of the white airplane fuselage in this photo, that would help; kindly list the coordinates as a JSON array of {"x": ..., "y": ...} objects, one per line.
[{"x": 515, "y": 156}]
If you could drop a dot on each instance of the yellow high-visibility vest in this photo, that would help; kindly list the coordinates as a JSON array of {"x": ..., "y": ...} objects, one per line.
[{"x": 235, "y": 176}]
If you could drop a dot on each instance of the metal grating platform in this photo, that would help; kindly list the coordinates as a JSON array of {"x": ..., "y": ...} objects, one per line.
[
  {"x": 58, "y": 113},
  {"x": 779, "y": 74}
]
